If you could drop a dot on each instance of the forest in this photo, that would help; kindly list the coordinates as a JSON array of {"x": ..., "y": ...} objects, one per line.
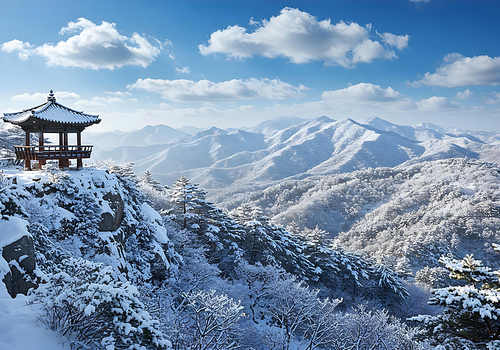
[{"x": 170, "y": 270}]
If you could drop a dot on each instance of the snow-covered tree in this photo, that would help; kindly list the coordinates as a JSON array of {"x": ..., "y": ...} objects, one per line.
[
  {"x": 389, "y": 286},
  {"x": 212, "y": 321},
  {"x": 433, "y": 277},
  {"x": 187, "y": 196},
  {"x": 472, "y": 310}
]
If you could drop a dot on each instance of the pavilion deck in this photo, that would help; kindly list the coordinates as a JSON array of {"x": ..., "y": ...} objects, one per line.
[{"x": 52, "y": 152}]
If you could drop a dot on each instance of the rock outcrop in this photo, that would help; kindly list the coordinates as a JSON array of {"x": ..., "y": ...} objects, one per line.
[
  {"x": 111, "y": 221},
  {"x": 20, "y": 255}
]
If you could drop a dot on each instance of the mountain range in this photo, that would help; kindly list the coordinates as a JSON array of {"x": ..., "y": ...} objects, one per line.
[{"x": 285, "y": 148}]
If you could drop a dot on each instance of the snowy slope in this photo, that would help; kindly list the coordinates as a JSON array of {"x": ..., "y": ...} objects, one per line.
[
  {"x": 415, "y": 211},
  {"x": 91, "y": 214},
  {"x": 274, "y": 125},
  {"x": 273, "y": 151}
]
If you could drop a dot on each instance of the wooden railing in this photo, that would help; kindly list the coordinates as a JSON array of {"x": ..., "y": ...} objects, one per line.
[{"x": 52, "y": 152}]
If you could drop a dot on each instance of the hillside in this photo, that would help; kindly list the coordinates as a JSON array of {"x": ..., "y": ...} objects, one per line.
[
  {"x": 417, "y": 211},
  {"x": 109, "y": 260}
]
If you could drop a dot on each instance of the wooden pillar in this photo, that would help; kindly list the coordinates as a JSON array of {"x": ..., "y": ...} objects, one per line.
[
  {"x": 27, "y": 162},
  {"x": 40, "y": 143},
  {"x": 79, "y": 162},
  {"x": 63, "y": 141}
]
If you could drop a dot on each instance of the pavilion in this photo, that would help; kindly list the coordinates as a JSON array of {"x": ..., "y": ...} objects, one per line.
[{"x": 52, "y": 117}]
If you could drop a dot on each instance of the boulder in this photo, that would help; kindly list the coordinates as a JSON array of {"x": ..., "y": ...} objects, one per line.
[{"x": 20, "y": 255}]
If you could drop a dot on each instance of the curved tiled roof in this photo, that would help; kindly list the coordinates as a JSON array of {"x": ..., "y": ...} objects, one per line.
[{"x": 51, "y": 111}]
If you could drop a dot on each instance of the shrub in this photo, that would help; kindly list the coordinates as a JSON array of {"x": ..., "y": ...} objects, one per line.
[{"x": 89, "y": 305}]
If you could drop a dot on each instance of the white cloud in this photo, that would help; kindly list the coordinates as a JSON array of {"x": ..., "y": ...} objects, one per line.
[
  {"x": 231, "y": 90},
  {"x": 301, "y": 38},
  {"x": 40, "y": 97},
  {"x": 98, "y": 101},
  {"x": 495, "y": 100},
  {"x": 419, "y": 1},
  {"x": 183, "y": 70},
  {"x": 107, "y": 100},
  {"x": 436, "y": 103},
  {"x": 363, "y": 92},
  {"x": 399, "y": 41},
  {"x": 358, "y": 101},
  {"x": 463, "y": 95},
  {"x": 24, "y": 50},
  {"x": 95, "y": 47},
  {"x": 457, "y": 70},
  {"x": 118, "y": 93}
]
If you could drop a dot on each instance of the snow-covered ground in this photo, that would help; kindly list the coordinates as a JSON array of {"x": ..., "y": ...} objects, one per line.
[{"x": 19, "y": 329}]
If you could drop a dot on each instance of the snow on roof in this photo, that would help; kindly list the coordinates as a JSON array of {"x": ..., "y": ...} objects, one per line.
[{"x": 51, "y": 111}]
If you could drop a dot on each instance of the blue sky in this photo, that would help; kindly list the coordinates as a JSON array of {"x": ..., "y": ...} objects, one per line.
[{"x": 237, "y": 63}]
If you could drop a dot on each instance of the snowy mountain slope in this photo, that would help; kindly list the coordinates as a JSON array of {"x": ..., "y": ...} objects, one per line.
[
  {"x": 415, "y": 211},
  {"x": 286, "y": 147},
  {"x": 271, "y": 126},
  {"x": 85, "y": 239}
]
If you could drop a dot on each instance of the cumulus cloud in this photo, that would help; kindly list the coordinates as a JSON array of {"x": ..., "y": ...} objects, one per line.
[
  {"x": 419, "y": 1},
  {"x": 183, "y": 70},
  {"x": 399, "y": 41},
  {"x": 94, "y": 46},
  {"x": 457, "y": 70},
  {"x": 463, "y": 95},
  {"x": 41, "y": 97},
  {"x": 436, "y": 103},
  {"x": 301, "y": 38},
  {"x": 363, "y": 92},
  {"x": 24, "y": 50},
  {"x": 231, "y": 90},
  {"x": 370, "y": 97}
]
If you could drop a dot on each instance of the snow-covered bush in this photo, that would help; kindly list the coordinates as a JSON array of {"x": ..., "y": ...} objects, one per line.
[
  {"x": 4, "y": 180},
  {"x": 433, "y": 277},
  {"x": 375, "y": 329},
  {"x": 89, "y": 304},
  {"x": 9, "y": 201},
  {"x": 212, "y": 320}
]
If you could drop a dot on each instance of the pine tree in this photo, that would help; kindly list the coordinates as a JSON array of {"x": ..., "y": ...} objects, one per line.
[
  {"x": 148, "y": 179},
  {"x": 390, "y": 286},
  {"x": 472, "y": 311},
  {"x": 187, "y": 196}
]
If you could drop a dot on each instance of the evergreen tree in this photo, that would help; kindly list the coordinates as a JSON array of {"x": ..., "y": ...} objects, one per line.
[
  {"x": 472, "y": 310},
  {"x": 390, "y": 286},
  {"x": 187, "y": 196},
  {"x": 148, "y": 179}
]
